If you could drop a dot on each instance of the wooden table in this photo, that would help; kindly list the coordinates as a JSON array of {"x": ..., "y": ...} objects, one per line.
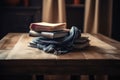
[{"x": 102, "y": 57}]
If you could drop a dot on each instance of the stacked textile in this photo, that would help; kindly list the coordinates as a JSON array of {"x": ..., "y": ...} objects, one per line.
[
  {"x": 61, "y": 45},
  {"x": 48, "y": 30}
]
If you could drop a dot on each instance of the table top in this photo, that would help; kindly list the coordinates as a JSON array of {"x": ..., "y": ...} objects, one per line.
[
  {"x": 15, "y": 46},
  {"x": 102, "y": 56}
]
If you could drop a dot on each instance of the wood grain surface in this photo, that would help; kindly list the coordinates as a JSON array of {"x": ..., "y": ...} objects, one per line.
[
  {"x": 15, "y": 46},
  {"x": 101, "y": 57}
]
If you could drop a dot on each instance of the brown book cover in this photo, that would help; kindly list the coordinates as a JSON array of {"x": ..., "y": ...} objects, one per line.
[{"x": 44, "y": 26}]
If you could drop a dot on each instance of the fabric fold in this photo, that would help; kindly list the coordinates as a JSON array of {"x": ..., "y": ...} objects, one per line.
[{"x": 58, "y": 45}]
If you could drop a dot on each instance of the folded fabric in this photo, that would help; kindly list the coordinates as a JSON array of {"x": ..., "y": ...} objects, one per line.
[
  {"x": 81, "y": 43},
  {"x": 58, "y": 45}
]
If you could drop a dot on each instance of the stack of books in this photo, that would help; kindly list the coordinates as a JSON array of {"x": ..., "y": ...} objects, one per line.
[
  {"x": 48, "y": 30},
  {"x": 81, "y": 43}
]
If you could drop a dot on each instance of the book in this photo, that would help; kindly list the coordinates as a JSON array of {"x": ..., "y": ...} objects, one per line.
[
  {"x": 44, "y": 26},
  {"x": 51, "y": 35},
  {"x": 81, "y": 43},
  {"x": 81, "y": 46},
  {"x": 81, "y": 40}
]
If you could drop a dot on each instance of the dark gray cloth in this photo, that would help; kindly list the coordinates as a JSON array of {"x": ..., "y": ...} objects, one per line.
[{"x": 57, "y": 45}]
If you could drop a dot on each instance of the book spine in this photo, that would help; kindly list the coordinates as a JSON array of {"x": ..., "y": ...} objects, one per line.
[
  {"x": 45, "y": 28},
  {"x": 50, "y": 35},
  {"x": 40, "y": 34}
]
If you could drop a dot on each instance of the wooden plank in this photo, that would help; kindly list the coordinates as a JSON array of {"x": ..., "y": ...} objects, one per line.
[
  {"x": 90, "y": 54},
  {"x": 96, "y": 53},
  {"x": 100, "y": 50},
  {"x": 4, "y": 54},
  {"x": 108, "y": 40},
  {"x": 7, "y": 43},
  {"x": 74, "y": 67},
  {"x": 9, "y": 40},
  {"x": 22, "y": 51},
  {"x": 72, "y": 55},
  {"x": 99, "y": 43}
]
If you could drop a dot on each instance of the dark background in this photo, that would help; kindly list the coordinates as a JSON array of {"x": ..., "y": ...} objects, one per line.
[
  {"x": 17, "y": 18},
  {"x": 116, "y": 20}
]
